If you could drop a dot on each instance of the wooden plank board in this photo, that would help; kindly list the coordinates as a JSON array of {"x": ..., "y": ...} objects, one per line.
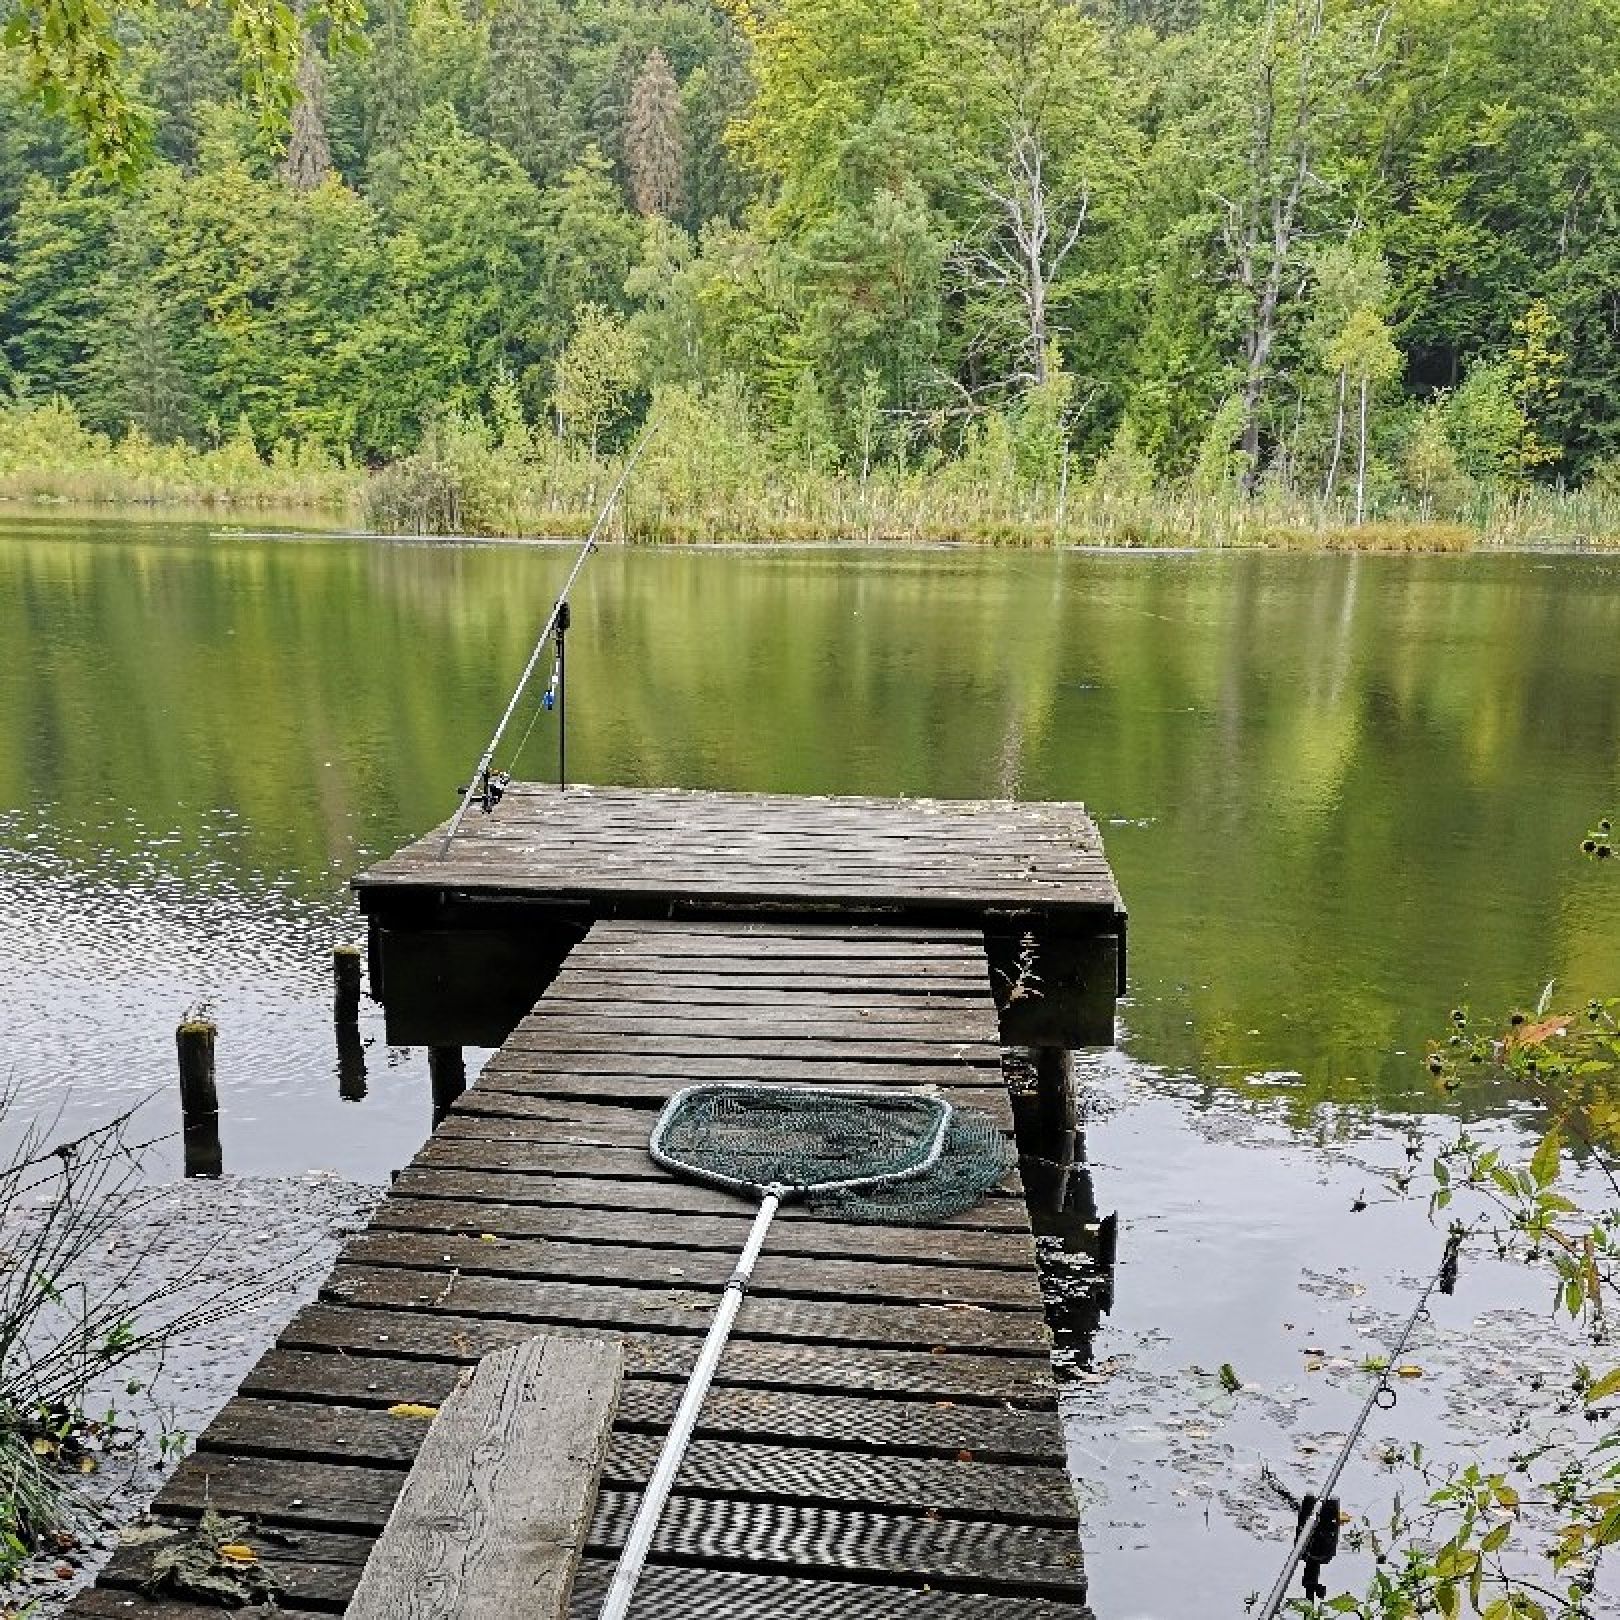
[
  {"x": 492, "y": 1520},
  {"x": 803, "y": 1277},
  {"x": 965, "y": 1553},
  {"x": 462, "y": 1167},
  {"x": 322, "y": 1571},
  {"x": 565, "y": 1117},
  {"x": 738, "y": 1468},
  {"x": 507, "y": 1175},
  {"x": 916, "y": 1245},
  {"x": 673, "y": 1593},
  {"x": 544, "y": 1301},
  {"x": 899, "y": 1426},
  {"x": 883, "y": 1372}
]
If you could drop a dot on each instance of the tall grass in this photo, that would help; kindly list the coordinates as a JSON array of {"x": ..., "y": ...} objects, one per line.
[
  {"x": 47, "y": 454},
  {"x": 711, "y": 476}
]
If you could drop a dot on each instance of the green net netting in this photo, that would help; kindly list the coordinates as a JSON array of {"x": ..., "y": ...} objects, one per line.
[
  {"x": 976, "y": 1158},
  {"x": 857, "y": 1155}
]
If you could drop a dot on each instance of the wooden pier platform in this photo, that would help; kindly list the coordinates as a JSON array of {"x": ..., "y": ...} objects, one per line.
[
  {"x": 882, "y": 1439},
  {"x": 462, "y": 942}
]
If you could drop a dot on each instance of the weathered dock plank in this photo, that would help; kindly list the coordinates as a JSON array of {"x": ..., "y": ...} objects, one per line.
[
  {"x": 491, "y": 1522},
  {"x": 882, "y": 1434}
]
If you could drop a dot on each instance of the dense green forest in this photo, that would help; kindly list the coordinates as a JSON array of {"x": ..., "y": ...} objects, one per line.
[{"x": 1327, "y": 257}]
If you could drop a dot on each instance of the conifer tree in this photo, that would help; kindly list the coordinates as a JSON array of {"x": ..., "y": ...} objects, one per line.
[
  {"x": 652, "y": 139},
  {"x": 526, "y": 85},
  {"x": 309, "y": 152}
]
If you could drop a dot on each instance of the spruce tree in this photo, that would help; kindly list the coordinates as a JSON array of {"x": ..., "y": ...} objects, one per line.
[
  {"x": 652, "y": 139},
  {"x": 309, "y": 153}
]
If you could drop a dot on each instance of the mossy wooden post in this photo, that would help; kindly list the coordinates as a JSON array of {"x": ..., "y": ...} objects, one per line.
[
  {"x": 199, "y": 1100},
  {"x": 447, "y": 1069},
  {"x": 346, "y": 984}
]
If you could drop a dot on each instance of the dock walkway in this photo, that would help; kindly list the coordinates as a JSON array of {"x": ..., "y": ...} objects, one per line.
[{"x": 882, "y": 1439}]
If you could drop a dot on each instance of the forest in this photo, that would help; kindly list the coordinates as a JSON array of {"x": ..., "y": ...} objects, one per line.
[{"x": 875, "y": 265}]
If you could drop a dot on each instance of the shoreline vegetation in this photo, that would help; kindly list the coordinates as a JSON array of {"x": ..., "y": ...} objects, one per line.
[
  {"x": 704, "y": 480},
  {"x": 1337, "y": 274}
]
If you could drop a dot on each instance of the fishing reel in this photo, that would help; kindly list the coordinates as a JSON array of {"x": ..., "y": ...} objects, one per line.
[{"x": 487, "y": 790}]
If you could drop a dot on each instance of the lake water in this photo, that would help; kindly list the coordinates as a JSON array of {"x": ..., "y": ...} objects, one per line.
[{"x": 1342, "y": 794}]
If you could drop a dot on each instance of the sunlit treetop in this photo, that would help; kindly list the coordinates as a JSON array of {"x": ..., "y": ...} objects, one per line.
[{"x": 73, "y": 62}]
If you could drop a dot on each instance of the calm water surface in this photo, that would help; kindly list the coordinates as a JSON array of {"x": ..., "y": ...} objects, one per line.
[{"x": 1341, "y": 794}]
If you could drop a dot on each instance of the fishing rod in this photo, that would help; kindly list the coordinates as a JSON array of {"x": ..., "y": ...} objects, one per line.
[
  {"x": 1381, "y": 1395},
  {"x": 483, "y": 789}
]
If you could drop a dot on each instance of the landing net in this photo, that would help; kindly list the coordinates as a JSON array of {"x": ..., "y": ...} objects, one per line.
[{"x": 855, "y": 1154}]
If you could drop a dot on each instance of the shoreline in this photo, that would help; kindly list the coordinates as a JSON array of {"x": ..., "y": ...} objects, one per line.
[{"x": 1373, "y": 539}]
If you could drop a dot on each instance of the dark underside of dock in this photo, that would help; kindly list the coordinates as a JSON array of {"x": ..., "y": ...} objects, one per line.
[{"x": 882, "y": 1438}]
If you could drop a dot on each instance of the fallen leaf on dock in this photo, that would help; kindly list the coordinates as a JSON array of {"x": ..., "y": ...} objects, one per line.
[{"x": 410, "y": 1409}]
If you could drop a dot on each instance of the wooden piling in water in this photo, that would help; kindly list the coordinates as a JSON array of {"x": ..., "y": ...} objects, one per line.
[
  {"x": 346, "y": 984},
  {"x": 199, "y": 1097},
  {"x": 351, "y": 1062},
  {"x": 447, "y": 1069}
]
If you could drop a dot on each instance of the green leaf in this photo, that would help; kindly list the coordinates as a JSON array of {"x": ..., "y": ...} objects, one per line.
[
  {"x": 1544, "y": 1165},
  {"x": 1607, "y": 1385}
]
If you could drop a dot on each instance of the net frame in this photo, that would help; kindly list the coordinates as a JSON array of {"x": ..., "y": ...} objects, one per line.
[{"x": 933, "y": 1145}]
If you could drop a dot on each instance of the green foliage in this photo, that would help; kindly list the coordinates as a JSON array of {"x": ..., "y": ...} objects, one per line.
[
  {"x": 1523, "y": 1542},
  {"x": 1251, "y": 231},
  {"x": 1483, "y": 422},
  {"x": 597, "y": 373}
]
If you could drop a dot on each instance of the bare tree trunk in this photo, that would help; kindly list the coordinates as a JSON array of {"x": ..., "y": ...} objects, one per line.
[
  {"x": 1338, "y": 436},
  {"x": 1361, "y": 455},
  {"x": 1023, "y": 255},
  {"x": 1269, "y": 224}
]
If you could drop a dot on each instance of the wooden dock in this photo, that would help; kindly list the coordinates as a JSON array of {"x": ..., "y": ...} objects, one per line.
[
  {"x": 882, "y": 1439},
  {"x": 462, "y": 943}
]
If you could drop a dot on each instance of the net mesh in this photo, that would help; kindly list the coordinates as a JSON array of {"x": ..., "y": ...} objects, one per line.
[
  {"x": 896, "y": 1157},
  {"x": 977, "y": 1157}
]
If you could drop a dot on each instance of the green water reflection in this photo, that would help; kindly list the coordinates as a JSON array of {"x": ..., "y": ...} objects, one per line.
[{"x": 1339, "y": 792}]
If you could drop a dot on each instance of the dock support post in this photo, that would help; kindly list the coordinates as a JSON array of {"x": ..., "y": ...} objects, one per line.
[
  {"x": 346, "y": 984},
  {"x": 1055, "y": 1095},
  {"x": 351, "y": 1063},
  {"x": 199, "y": 1097},
  {"x": 448, "y": 1071}
]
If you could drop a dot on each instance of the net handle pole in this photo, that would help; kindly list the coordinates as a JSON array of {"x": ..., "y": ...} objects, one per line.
[{"x": 651, "y": 1509}]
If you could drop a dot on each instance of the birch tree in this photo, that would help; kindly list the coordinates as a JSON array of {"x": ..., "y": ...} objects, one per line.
[{"x": 1040, "y": 90}]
